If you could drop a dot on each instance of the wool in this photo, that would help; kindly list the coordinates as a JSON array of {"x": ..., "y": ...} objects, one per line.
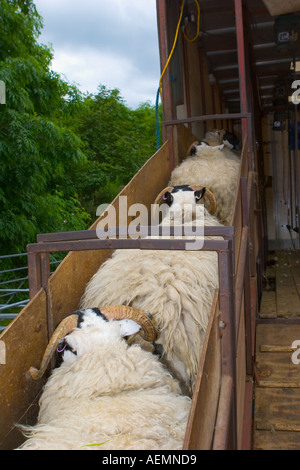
[
  {"x": 116, "y": 395},
  {"x": 215, "y": 169},
  {"x": 176, "y": 287}
]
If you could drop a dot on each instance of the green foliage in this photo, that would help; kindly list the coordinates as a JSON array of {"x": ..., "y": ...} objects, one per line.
[
  {"x": 118, "y": 142},
  {"x": 62, "y": 153}
]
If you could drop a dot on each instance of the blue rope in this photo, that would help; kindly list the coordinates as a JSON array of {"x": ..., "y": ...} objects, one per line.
[{"x": 157, "y": 122}]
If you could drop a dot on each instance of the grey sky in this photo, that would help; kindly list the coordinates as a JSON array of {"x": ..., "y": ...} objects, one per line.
[{"x": 108, "y": 42}]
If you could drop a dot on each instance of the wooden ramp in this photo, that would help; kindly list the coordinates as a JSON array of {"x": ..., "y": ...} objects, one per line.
[{"x": 277, "y": 391}]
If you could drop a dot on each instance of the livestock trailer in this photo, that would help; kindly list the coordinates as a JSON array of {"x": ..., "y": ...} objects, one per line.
[{"x": 226, "y": 64}]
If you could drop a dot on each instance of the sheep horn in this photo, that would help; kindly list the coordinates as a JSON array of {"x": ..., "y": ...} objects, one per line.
[
  {"x": 120, "y": 312},
  {"x": 194, "y": 144},
  {"x": 159, "y": 197},
  {"x": 210, "y": 197},
  {"x": 222, "y": 133},
  {"x": 66, "y": 326}
]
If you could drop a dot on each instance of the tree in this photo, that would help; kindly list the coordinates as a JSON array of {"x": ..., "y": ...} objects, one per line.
[
  {"x": 62, "y": 153},
  {"x": 118, "y": 142},
  {"x": 38, "y": 156}
]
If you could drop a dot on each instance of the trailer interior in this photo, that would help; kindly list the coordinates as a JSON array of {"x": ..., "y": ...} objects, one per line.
[{"x": 226, "y": 64}]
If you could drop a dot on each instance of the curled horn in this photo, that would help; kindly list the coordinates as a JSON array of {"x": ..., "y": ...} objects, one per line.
[
  {"x": 66, "y": 326},
  {"x": 210, "y": 196},
  {"x": 194, "y": 144},
  {"x": 114, "y": 312},
  {"x": 159, "y": 198},
  {"x": 160, "y": 195},
  {"x": 222, "y": 133},
  {"x": 120, "y": 312}
]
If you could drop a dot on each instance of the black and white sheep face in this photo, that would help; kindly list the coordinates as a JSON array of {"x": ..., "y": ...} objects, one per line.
[
  {"x": 93, "y": 329},
  {"x": 182, "y": 201}
]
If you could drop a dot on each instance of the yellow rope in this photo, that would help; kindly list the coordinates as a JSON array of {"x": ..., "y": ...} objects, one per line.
[
  {"x": 198, "y": 25},
  {"x": 173, "y": 48},
  {"x": 175, "y": 41}
]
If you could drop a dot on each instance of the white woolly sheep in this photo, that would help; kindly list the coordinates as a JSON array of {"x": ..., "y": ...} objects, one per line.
[
  {"x": 176, "y": 287},
  {"x": 108, "y": 395},
  {"x": 216, "y": 168}
]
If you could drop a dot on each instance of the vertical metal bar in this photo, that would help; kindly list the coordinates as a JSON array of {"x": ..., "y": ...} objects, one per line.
[
  {"x": 241, "y": 59},
  {"x": 45, "y": 274},
  {"x": 228, "y": 318},
  {"x": 162, "y": 20},
  {"x": 187, "y": 82},
  {"x": 45, "y": 269},
  {"x": 202, "y": 85},
  {"x": 296, "y": 173},
  {"x": 247, "y": 280},
  {"x": 222, "y": 430},
  {"x": 34, "y": 273}
]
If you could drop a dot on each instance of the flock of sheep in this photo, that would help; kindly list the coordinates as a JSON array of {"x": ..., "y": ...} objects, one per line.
[{"x": 130, "y": 354}]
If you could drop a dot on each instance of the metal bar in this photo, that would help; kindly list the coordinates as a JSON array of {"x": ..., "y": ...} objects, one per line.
[
  {"x": 222, "y": 429},
  {"x": 13, "y": 270},
  {"x": 113, "y": 244},
  {"x": 162, "y": 23},
  {"x": 241, "y": 61},
  {"x": 240, "y": 276},
  {"x": 45, "y": 274},
  {"x": 15, "y": 255},
  {"x": 14, "y": 280},
  {"x": 187, "y": 82},
  {"x": 296, "y": 174},
  {"x": 34, "y": 273},
  {"x": 144, "y": 231},
  {"x": 247, "y": 278},
  {"x": 8, "y": 316},
  {"x": 14, "y": 290},
  {"x": 208, "y": 117},
  {"x": 227, "y": 311},
  {"x": 16, "y": 304}
]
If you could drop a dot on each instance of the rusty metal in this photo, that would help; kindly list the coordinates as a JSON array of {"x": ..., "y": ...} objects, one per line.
[
  {"x": 222, "y": 430},
  {"x": 241, "y": 60},
  {"x": 224, "y": 249},
  {"x": 228, "y": 317},
  {"x": 248, "y": 412},
  {"x": 208, "y": 117},
  {"x": 246, "y": 198},
  {"x": 144, "y": 231},
  {"x": 34, "y": 273},
  {"x": 162, "y": 23},
  {"x": 119, "y": 243}
]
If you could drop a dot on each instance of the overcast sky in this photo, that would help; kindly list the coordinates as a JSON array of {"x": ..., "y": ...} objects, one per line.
[{"x": 108, "y": 42}]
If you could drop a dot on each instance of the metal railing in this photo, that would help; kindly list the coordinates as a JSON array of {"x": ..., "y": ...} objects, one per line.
[{"x": 14, "y": 289}]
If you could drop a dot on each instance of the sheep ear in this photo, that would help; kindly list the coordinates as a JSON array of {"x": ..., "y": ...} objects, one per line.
[
  {"x": 168, "y": 198},
  {"x": 199, "y": 194},
  {"x": 128, "y": 327}
]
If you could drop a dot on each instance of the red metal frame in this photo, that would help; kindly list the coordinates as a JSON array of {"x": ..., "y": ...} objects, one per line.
[{"x": 241, "y": 60}]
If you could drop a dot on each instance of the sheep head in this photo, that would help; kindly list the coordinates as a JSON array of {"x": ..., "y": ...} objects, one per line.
[
  {"x": 168, "y": 194},
  {"x": 76, "y": 320}
]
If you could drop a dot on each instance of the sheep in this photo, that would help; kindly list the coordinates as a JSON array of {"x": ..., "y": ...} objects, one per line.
[
  {"x": 176, "y": 287},
  {"x": 216, "y": 167},
  {"x": 106, "y": 394}
]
